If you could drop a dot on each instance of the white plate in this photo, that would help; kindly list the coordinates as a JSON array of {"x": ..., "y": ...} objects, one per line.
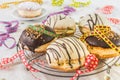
[{"x": 16, "y": 15}]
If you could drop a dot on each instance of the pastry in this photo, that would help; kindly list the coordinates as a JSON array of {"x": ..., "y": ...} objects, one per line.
[
  {"x": 29, "y": 9},
  {"x": 66, "y": 54},
  {"x": 36, "y": 41},
  {"x": 87, "y": 23},
  {"x": 62, "y": 24},
  {"x": 100, "y": 48}
]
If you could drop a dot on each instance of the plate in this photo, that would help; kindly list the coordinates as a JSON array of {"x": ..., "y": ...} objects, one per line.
[{"x": 16, "y": 15}]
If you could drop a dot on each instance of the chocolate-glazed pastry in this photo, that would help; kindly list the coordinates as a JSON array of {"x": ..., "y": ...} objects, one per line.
[
  {"x": 100, "y": 48},
  {"x": 87, "y": 23},
  {"x": 66, "y": 54},
  {"x": 34, "y": 40},
  {"x": 61, "y": 24}
]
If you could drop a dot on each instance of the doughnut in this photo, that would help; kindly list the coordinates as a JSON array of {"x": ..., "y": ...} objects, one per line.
[
  {"x": 29, "y": 9},
  {"x": 100, "y": 48},
  {"x": 66, "y": 54},
  {"x": 61, "y": 24},
  {"x": 87, "y": 23},
  {"x": 35, "y": 41}
]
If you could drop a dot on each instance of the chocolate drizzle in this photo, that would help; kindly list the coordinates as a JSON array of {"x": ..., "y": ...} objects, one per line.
[
  {"x": 63, "y": 48},
  {"x": 33, "y": 39},
  {"x": 92, "y": 22},
  {"x": 55, "y": 19},
  {"x": 94, "y": 41}
]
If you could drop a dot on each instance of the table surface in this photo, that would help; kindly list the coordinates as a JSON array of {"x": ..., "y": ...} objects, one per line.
[{"x": 19, "y": 72}]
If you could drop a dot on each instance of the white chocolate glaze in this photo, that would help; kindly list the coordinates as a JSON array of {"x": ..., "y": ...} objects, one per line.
[
  {"x": 60, "y": 21},
  {"x": 90, "y": 20},
  {"x": 68, "y": 50}
]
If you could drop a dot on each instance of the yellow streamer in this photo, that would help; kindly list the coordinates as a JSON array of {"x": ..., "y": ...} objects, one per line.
[
  {"x": 57, "y": 2},
  {"x": 101, "y": 32},
  {"x": 6, "y": 5},
  {"x": 78, "y": 4}
]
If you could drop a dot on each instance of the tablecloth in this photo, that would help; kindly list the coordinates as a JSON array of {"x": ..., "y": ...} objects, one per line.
[{"x": 18, "y": 70}]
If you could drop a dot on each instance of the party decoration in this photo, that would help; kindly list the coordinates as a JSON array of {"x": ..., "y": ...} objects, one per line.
[
  {"x": 67, "y": 10},
  {"x": 114, "y": 20},
  {"x": 10, "y": 27},
  {"x": 108, "y": 9},
  {"x": 57, "y": 2},
  {"x": 78, "y": 4},
  {"x": 5, "y": 61},
  {"x": 6, "y": 4},
  {"x": 42, "y": 30},
  {"x": 91, "y": 63},
  {"x": 4, "y": 37}
]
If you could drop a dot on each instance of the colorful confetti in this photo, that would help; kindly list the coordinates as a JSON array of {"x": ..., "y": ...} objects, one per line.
[
  {"x": 114, "y": 20},
  {"x": 108, "y": 9}
]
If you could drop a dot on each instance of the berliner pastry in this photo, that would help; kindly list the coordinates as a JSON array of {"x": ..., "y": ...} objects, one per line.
[
  {"x": 66, "y": 54},
  {"x": 62, "y": 24},
  {"x": 36, "y": 41},
  {"x": 87, "y": 23},
  {"x": 100, "y": 48},
  {"x": 29, "y": 9}
]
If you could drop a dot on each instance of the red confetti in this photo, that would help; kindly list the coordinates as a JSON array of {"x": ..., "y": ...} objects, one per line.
[
  {"x": 91, "y": 63},
  {"x": 114, "y": 20},
  {"x": 106, "y": 9}
]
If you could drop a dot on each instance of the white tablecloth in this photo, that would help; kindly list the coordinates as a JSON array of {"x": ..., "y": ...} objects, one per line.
[{"x": 19, "y": 72}]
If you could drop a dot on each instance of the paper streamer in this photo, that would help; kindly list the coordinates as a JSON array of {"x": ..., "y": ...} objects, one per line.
[
  {"x": 108, "y": 9},
  {"x": 57, "y": 2},
  {"x": 114, "y": 20},
  {"x": 20, "y": 54},
  {"x": 80, "y": 4},
  {"x": 42, "y": 30},
  {"x": 67, "y": 10},
  {"x": 6, "y": 4},
  {"x": 5, "y": 61},
  {"x": 91, "y": 63}
]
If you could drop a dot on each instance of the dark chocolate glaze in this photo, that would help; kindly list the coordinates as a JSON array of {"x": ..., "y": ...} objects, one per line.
[
  {"x": 92, "y": 22},
  {"x": 31, "y": 42},
  {"x": 94, "y": 41}
]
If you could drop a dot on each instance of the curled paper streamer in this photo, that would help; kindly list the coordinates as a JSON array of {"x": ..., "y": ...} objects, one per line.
[
  {"x": 78, "y": 4},
  {"x": 6, "y": 4},
  {"x": 67, "y": 10},
  {"x": 57, "y": 2},
  {"x": 10, "y": 27},
  {"x": 108, "y": 9},
  {"x": 114, "y": 20},
  {"x": 4, "y": 37},
  {"x": 91, "y": 63},
  {"x": 5, "y": 61},
  {"x": 20, "y": 54}
]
